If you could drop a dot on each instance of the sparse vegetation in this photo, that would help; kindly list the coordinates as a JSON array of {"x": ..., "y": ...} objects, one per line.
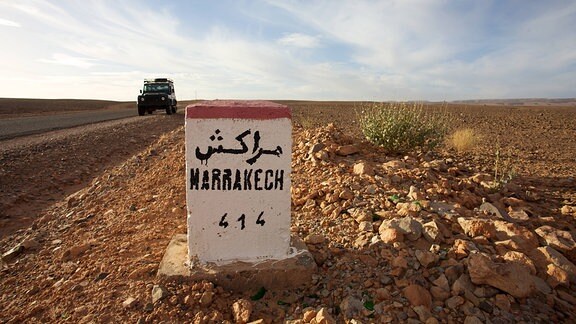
[
  {"x": 464, "y": 139},
  {"x": 504, "y": 168},
  {"x": 402, "y": 127},
  {"x": 307, "y": 122}
]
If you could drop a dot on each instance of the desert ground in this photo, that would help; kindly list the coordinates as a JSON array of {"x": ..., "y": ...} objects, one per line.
[{"x": 421, "y": 237}]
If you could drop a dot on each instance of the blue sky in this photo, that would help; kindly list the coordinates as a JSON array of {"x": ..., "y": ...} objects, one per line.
[{"x": 317, "y": 50}]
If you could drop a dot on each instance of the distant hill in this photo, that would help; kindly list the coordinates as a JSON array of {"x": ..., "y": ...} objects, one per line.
[{"x": 521, "y": 102}]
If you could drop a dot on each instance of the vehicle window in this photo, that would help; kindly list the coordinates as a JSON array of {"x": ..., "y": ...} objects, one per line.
[{"x": 157, "y": 88}]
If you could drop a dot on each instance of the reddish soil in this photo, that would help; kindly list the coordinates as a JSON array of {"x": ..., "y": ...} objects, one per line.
[{"x": 91, "y": 213}]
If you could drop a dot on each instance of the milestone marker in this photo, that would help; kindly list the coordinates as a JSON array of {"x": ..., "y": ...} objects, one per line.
[{"x": 238, "y": 162}]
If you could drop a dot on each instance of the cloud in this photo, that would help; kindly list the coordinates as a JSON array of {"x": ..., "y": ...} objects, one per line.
[
  {"x": 9, "y": 23},
  {"x": 441, "y": 50},
  {"x": 347, "y": 50},
  {"x": 299, "y": 40},
  {"x": 68, "y": 60}
]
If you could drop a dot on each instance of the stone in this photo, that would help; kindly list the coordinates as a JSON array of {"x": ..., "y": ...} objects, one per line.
[
  {"x": 30, "y": 243},
  {"x": 241, "y": 310},
  {"x": 363, "y": 168},
  {"x": 382, "y": 294},
  {"x": 423, "y": 312},
  {"x": 431, "y": 320},
  {"x": 418, "y": 296},
  {"x": 518, "y": 214},
  {"x": 347, "y": 150},
  {"x": 477, "y": 227},
  {"x": 559, "y": 240},
  {"x": 314, "y": 239},
  {"x": 324, "y": 317},
  {"x": 309, "y": 315},
  {"x": 351, "y": 306},
  {"x": 399, "y": 262},
  {"x": 258, "y": 321},
  {"x": 346, "y": 194},
  {"x": 462, "y": 248},
  {"x": 543, "y": 256},
  {"x": 454, "y": 302},
  {"x": 567, "y": 210},
  {"x": 386, "y": 280},
  {"x": 557, "y": 276},
  {"x": 471, "y": 319},
  {"x": 362, "y": 215},
  {"x": 13, "y": 253},
  {"x": 524, "y": 239},
  {"x": 365, "y": 226},
  {"x": 513, "y": 202},
  {"x": 442, "y": 282},
  {"x": 485, "y": 291},
  {"x": 520, "y": 258},
  {"x": 542, "y": 286},
  {"x": 433, "y": 231},
  {"x": 129, "y": 302},
  {"x": 462, "y": 285},
  {"x": 415, "y": 194},
  {"x": 142, "y": 272},
  {"x": 509, "y": 277},
  {"x": 567, "y": 297},
  {"x": 439, "y": 293},
  {"x": 454, "y": 271},
  {"x": 490, "y": 209},
  {"x": 411, "y": 228},
  {"x": 486, "y": 307},
  {"x": 442, "y": 208},
  {"x": 426, "y": 259},
  {"x": 362, "y": 240},
  {"x": 158, "y": 293},
  {"x": 316, "y": 148},
  {"x": 206, "y": 298},
  {"x": 408, "y": 208},
  {"x": 394, "y": 165},
  {"x": 502, "y": 301},
  {"x": 322, "y": 155},
  {"x": 75, "y": 251},
  {"x": 292, "y": 272},
  {"x": 3, "y": 265},
  {"x": 391, "y": 235}
]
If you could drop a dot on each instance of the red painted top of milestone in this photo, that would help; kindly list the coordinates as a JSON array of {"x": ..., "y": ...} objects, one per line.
[{"x": 241, "y": 109}]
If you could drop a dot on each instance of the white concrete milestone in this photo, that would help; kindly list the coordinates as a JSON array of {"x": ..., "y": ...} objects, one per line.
[{"x": 238, "y": 162}]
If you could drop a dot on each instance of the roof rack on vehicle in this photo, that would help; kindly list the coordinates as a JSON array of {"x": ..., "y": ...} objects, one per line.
[{"x": 158, "y": 80}]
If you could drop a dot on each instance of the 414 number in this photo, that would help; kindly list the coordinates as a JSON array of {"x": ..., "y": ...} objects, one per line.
[{"x": 242, "y": 220}]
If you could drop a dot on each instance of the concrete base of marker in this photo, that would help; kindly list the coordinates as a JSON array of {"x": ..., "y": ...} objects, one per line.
[{"x": 293, "y": 272}]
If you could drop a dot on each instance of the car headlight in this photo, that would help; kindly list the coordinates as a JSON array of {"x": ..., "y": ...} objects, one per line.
[
  {"x": 163, "y": 98},
  {"x": 142, "y": 99}
]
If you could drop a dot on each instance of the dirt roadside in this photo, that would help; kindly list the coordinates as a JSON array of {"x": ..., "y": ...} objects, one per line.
[{"x": 36, "y": 171}]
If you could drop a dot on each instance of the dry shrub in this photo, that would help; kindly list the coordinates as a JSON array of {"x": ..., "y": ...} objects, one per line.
[
  {"x": 403, "y": 127},
  {"x": 463, "y": 139}
]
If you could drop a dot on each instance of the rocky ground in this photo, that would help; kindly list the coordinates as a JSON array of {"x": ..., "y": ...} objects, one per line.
[{"x": 425, "y": 237}]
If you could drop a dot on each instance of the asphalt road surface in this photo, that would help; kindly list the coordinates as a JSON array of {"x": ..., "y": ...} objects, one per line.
[{"x": 14, "y": 127}]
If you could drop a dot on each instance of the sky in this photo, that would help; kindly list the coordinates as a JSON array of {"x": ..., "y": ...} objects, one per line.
[{"x": 438, "y": 50}]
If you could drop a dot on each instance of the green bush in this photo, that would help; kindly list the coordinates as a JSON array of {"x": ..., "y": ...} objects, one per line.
[{"x": 402, "y": 127}]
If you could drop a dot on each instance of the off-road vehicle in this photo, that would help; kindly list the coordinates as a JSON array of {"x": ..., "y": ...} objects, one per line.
[{"x": 157, "y": 94}]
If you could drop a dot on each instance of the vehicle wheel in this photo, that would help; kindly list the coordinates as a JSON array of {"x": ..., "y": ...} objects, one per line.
[
  {"x": 141, "y": 111},
  {"x": 174, "y": 109},
  {"x": 168, "y": 110}
]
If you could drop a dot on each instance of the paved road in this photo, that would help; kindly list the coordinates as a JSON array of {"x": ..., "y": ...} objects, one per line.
[{"x": 14, "y": 127}]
